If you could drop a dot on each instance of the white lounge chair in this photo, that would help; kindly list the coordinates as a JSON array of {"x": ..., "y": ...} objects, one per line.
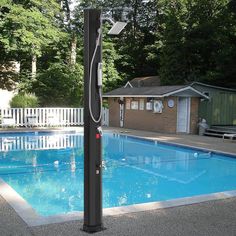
[
  {"x": 8, "y": 121},
  {"x": 32, "y": 120},
  {"x": 56, "y": 120},
  {"x": 230, "y": 136}
]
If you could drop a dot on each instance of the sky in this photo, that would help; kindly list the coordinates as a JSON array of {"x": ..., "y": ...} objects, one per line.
[{"x": 73, "y": 4}]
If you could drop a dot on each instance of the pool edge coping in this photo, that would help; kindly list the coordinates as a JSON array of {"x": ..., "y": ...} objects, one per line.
[
  {"x": 26, "y": 212},
  {"x": 156, "y": 140}
]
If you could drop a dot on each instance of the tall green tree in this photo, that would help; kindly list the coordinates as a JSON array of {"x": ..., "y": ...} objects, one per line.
[
  {"x": 135, "y": 44},
  {"x": 172, "y": 62},
  {"x": 134, "y": 51},
  {"x": 203, "y": 38},
  {"x": 224, "y": 72},
  {"x": 180, "y": 40},
  {"x": 73, "y": 26},
  {"x": 27, "y": 27},
  {"x": 198, "y": 42},
  {"x": 111, "y": 77}
]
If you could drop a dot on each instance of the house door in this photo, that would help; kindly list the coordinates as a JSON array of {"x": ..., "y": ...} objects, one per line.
[{"x": 183, "y": 115}]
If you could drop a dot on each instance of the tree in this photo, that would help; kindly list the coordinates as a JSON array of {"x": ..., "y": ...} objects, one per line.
[
  {"x": 225, "y": 56},
  {"x": 135, "y": 44},
  {"x": 73, "y": 29},
  {"x": 111, "y": 77},
  {"x": 8, "y": 74},
  {"x": 180, "y": 40},
  {"x": 210, "y": 42},
  {"x": 59, "y": 85},
  {"x": 198, "y": 42},
  {"x": 29, "y": 27},
  {"x": 172, "y": 62}
]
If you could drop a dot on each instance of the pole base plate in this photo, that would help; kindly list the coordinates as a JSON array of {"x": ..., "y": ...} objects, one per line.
[{"x": 93, "y": 229}]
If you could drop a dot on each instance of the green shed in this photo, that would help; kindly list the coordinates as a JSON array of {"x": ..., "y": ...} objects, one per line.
[{"x": 220, "y": 109}]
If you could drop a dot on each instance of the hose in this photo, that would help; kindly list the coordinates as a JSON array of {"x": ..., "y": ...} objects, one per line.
[{"x": 90, "y": 81}]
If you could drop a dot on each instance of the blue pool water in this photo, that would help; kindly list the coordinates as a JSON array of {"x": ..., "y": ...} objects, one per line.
[{"x": 47, "y": 171}]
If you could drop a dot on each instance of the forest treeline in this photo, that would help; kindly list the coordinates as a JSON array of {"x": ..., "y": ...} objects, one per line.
[{"x": 179, "y": 40}]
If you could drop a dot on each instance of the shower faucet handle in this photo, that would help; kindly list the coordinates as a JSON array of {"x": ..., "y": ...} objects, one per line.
[{"x": 99, "y": 129}]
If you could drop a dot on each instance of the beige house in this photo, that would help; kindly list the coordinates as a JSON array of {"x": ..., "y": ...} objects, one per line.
[
  {"x": 9, "y": 72},
  {"x": 143, "y": 104}
]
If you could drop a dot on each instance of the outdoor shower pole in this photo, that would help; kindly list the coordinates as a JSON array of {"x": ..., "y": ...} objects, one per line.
[{"x": 92, "y": 134}]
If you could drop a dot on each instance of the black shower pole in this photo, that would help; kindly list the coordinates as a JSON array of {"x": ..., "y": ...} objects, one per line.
[{"x": 92, "y": 136}]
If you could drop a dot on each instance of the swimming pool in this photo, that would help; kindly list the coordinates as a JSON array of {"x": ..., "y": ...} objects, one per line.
[{"x": 47, "y": 170}]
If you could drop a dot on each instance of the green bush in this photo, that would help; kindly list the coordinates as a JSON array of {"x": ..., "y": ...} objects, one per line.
[
  {"x": 23, "y": 100},
  {"x": 60, "y": 85}
]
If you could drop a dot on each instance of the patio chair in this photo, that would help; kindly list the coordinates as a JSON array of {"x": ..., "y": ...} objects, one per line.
[
  {"x": 8, "y": 121},
  {"x": 53, "y": 120},
  {"x": 56, "y": 120},
  {"x": 32, "y": 120},
  {"x": 230, "y": 136}
]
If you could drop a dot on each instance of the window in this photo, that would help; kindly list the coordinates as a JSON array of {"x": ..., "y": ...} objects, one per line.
[
  {"x": 127, "y": 104},
  {"x": 134, "y": 105},
  {"x": 149, "y": 106},
  {"x": 141, "y": 104}
]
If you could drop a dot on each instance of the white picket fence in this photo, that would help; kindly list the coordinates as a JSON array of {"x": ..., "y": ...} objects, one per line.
[{"x": 40, "y": 117}]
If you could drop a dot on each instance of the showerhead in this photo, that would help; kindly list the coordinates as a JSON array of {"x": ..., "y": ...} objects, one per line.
[{"x": 117, "y": 28}]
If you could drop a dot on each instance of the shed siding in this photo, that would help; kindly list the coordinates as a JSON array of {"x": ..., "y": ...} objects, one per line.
[
  {"x": 205, "y": 110},
  {"x": 224, "y": 109},
  {"x": 220, "y": 109},
  {"x": 147, "y": 120},
  {"x": 165, "y": 122}
]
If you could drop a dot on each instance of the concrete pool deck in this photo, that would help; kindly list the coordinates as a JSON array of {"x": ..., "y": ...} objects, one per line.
[
  {"x": 214, "y": 218},
  {"x": 209, "y": 218}
]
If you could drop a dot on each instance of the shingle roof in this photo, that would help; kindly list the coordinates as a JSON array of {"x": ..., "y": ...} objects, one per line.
[
  {"x": 146, "y": 81},
  {"x": 212, "y": 86},
  {"x": 155, "y": 90}
]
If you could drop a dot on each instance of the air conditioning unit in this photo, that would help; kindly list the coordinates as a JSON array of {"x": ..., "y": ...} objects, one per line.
[
  {"x": 157, "y": 106},
  {"x": 149, "y": 106}
]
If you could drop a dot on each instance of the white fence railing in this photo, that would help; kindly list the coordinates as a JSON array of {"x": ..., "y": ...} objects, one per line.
[{"x": 29, "y": 117}]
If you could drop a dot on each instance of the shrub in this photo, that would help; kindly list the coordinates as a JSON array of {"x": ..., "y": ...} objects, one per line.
[
  {"x": 23, "y": 100},
  {"x": 60, "y": 85}
]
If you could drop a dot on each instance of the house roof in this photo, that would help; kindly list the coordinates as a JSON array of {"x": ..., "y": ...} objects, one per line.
[
  {"x": 147, "y": 81},
  {"x": 213, "y": 86},
  {"x": 155, "y": 91}
]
